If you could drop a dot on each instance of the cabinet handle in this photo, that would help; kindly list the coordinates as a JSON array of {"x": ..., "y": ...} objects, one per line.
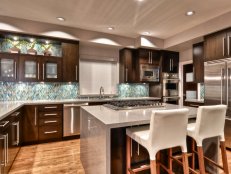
[
  {"x": 223, "y": 46},
  {"x": 50, "y": 114},
  {"x": 221, "y": 85},
  {"x": 5, "y": 138},
  {"x": 43, "y": 72},
  {"x": 17, "y": 128},
  {"x": 50, "y": 132},
  {"x": 149, "y": 57},
  {"x": 76, "y": 73},
  {"x": 228, "y": 44},
  {"x": 38, "y": 71},
  {"x": 193, "y": 105},
  {"x": 35, "y": 116},
  {"x": 126, "y": 74},
  {"x": 52, "y": 121},
  {"x": 170, "y": 65},
  {"x": 3, "y": 124},
  {"x": 16, "y": 114},
  {"x": 227, "y": 87},
  {"x": 51, "y": 107},
  {"x": 15, "y": 69}
]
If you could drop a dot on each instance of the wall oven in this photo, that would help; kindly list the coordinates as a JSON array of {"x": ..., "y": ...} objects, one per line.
[
  {"x": 170, "y": 88},
  {"x": 149, "y": 73}
]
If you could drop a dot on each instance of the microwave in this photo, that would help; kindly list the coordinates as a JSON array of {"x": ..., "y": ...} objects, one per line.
[{"x": 149, "y": 73}]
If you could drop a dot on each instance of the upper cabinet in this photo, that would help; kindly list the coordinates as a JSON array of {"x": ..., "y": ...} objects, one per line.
[
  {"x": 217, "y": 45},
  {"x": 8, "y": 67},
  {"x": 40, "y": 68},
  {"x": 198, "y": 62},
  {"x": 127, "y": 66},
  {"x": 170, "y": 61},
  {"x": 70, "y": 62},
  {"x": 147, "y": 56}
]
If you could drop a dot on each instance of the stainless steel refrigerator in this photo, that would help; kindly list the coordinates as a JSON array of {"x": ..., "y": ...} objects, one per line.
[{"x": 218, "y": 89}]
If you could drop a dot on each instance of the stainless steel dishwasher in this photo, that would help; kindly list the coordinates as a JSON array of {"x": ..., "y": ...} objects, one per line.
[{"x": 71, "y": 119}]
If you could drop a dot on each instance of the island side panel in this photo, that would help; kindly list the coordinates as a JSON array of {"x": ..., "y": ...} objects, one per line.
[{"x": 93, "y": 145}]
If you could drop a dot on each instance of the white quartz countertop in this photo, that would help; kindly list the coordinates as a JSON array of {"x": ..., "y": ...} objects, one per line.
[
  {"x": 195, "y": 100},
  {"x": 8, "y": 107},
  {"x": 121, "y": 118}
]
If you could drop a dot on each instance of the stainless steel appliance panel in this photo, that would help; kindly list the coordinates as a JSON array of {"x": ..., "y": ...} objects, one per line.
[
  {"x": 149, "y": 73},
  {"x": 71, "y": 119},
  {"x": 215, "y": 84},
  {"x": 229, "y": 90}
]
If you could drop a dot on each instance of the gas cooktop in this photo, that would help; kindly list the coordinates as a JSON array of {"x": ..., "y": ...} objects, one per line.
[{"x": 128, "y": 105}]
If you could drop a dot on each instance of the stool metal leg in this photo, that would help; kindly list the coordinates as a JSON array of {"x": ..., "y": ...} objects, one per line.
[
  {"x": 185, "y": 163},
  {"x": 153, "y": 166},
  {"x": 224, "y": 157},
  {"x": 201, "y": 160},
  {"x": 128, "y": 154}
]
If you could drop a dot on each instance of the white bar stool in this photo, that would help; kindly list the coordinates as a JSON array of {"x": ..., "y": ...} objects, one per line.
[
  {"x": 168, "y": 129},
  {"x": 209, "y": 123}
]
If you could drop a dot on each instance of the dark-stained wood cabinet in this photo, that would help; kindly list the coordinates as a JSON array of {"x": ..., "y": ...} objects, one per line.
[
  {"x": 127, "y": 66},
  {"x": 70, "y": 53},
  {"x": 34, "y": 68},
  {"x": 42, "y": 123},
  {"x": 170, "y": 61},
  {"x": 147, "y": 56},
  {"x": 9, "y": 67},
  {"x": 216, "y": 46},
  {"x": 30, "y": 124},
  {"x": 198, "y": 62}
]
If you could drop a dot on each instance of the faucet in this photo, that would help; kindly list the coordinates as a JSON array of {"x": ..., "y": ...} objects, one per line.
[{"x": 101, "y": 92}]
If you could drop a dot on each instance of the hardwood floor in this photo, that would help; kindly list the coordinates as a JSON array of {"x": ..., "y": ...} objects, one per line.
[
  {"x": 51, "y": 158},
  {"x": 55, "y": 158}
]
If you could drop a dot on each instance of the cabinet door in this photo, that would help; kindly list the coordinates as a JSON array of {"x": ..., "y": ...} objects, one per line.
[
  {"x": 70, "y": 62},
  {"x": 52, "y": 69},
  {"x": 144, "y": 56},
  {"x": 198, "y": 62},
  {"x": 30, "y": 124},
  {"x": 29, "y": 68},
  {"x": 155, "y": 57},
  {"x": 170, "y": 62},
  {"x": 175, "y": 62},
  {"x": 126, "y": 66},
  {"x": 215, "y": 46},
  {"x": 8, "y": 67}
]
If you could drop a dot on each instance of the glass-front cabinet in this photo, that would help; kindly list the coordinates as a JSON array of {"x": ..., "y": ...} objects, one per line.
[
  {"x": 8, "y": 67},
  {"x": 29, "y": 68},
  {"x": 52, "y": 69},
  {"x": 40, "y": 68}
]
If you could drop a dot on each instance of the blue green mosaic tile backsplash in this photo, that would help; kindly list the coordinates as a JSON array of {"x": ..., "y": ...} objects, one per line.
[
  {"x": 133, "y": 90},
  {"x": 37, "y": 91},
  {"x": 10, "y": 91}
]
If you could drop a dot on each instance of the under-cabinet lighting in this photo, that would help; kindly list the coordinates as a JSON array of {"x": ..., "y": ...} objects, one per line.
[
  {"x": 31, "y": 39},
  {"x": 47, "y": 41},
  {"x": 15, "y": 38}
]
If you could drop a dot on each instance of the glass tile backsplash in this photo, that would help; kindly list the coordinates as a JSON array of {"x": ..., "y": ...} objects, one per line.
[
  {"x": 37, "y": 91},
  {"x": 133, "y": 90},
  {"x": 10, "y": 91}
]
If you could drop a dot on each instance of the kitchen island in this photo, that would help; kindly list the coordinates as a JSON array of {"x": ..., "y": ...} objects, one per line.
[{"x": 102, "y": 141}]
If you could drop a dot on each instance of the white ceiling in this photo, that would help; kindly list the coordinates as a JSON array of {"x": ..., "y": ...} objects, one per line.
[{"x": 162, "y": 18}]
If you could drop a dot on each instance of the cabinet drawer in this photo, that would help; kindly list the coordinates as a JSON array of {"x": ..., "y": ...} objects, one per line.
[
  {"x": 50, "y": 107},
  {"x": 50, "y": 132},
  {"x": 50, "y": 121},
  {"x": 50, "y": 114}
]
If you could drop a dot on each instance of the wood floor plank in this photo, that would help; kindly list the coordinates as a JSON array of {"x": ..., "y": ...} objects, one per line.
[{"x": 50, "y": 158}]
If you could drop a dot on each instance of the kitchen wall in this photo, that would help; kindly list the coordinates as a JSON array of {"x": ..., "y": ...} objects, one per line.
[
  {"x": 186, "y": 55},
  {"x": 54, "y": 91}
]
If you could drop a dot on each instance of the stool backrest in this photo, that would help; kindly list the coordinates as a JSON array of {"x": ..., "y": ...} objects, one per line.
[
  {"x": 168, "y": 128},
  {"x": 210, "y": 121}
]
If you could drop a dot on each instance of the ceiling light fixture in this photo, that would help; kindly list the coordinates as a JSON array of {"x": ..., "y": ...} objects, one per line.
[
  {"x": 139, "y": 0},
  {"x": 110, "y": 28},
  {"x": 146, "y": 33},
  {"x": 60, "y": 18},
  {"x": 190, "y": 13}
]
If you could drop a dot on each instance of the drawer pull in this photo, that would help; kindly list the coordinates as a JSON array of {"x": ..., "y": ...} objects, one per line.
[
  {"x": 51, "y": 107},
  {"x": 51, "y": 132},
  {"x": 50, "y": 114},
  {"x": 4, "y": 123},
  {"x": 52, "y": 121},
  {"x": 193, "y": 105},
  {"x": 16, "y": 114}
]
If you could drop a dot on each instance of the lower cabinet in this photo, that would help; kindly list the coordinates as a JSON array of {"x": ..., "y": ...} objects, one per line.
[
  {"x": 45, "y": 123},
  {"x": 10, "y": 140}
]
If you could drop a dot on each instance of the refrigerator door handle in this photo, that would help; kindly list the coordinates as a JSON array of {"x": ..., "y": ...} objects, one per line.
[
  {"x": 222, "y": 78},
  {"x": 228, "y": 85}
]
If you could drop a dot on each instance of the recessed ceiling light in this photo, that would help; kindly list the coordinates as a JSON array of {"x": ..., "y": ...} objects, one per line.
[
  {"x": 146, "y": 33},
  {"x": 139, "y": 0},
  {"x": 111, "y": 28},
  {"x": 190, "y": 13},
  {"x": 60, "y": 18}
]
